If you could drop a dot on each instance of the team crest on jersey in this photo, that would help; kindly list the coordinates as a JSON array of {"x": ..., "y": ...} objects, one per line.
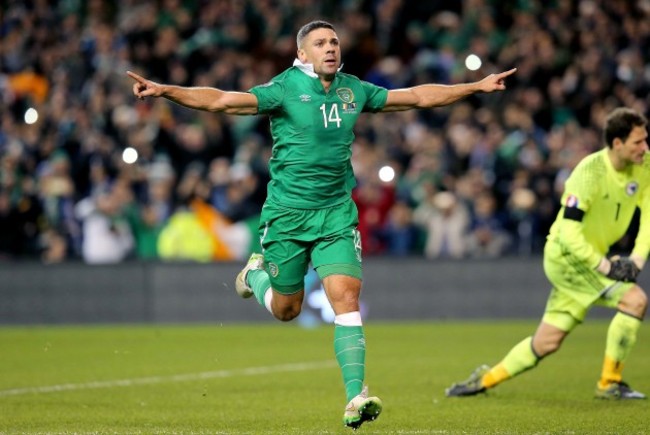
[
  {"x": 631, "y": 188},
  {"x": 571, "y": 201},
  {"x": 273, "y": 270},
  {"x": 345, "y": 94}
]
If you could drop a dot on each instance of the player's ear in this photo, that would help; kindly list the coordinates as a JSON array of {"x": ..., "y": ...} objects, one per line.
[
  {"x": 302, "y": 56},
  {"x": 617, "y": 142}
]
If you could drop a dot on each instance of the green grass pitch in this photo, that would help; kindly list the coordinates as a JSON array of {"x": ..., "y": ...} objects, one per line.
[{"x": 282, "y": 379}]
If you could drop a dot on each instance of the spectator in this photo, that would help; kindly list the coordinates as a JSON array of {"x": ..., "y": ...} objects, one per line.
[
  {"x": 146, "y": 227},
  {"x": 374, "y": 200},
  {"x": 522, "y": 211},
  {"x": 54, "y": 247},
  {"x": 242, "y": 201},
  {"x": 487, "y": 236},
  {"x": 446, "y": 223},
  {"x": 107, "y": 236},
  {"x": 10, "y": 240},
  {"x": 184, "y": 238},
  {"x": 219, "y": 178},
  {"x": 57, "y": 195},
  {"x": 400, "y": 236},
  {"x": 66, "y": 60}
]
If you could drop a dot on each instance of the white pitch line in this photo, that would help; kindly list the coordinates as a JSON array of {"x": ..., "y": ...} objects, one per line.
[{"x": 251, "y": 371}]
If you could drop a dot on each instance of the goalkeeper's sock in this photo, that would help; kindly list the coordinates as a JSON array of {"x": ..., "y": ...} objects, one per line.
[
  {"x": 259, "y": 282},
  {"x": 520, "y": 358},
  {"x": 621, "y": 337},
  {"x": 495, "y": 376},
  {"x": 350, "y": 350}
]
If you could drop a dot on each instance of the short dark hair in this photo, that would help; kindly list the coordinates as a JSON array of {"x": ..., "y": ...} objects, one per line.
[
  {"x": 620, "y": 122},
  {"x": 310, "y": 27}
]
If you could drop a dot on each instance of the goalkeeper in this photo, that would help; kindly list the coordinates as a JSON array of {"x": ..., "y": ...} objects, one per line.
[{"x": 598, "y": 204}]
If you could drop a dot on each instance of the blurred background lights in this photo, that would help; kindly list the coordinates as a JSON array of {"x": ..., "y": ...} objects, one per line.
[
  {"x": 31, "y": 116},
  {"x": 129, "y": 155},
  {"x": 386, "y": 174},
  {"x": 473, "y": 62}
]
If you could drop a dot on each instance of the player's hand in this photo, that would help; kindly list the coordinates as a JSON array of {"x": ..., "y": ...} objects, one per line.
[
  {"x": 623, "y": 269},
  {"x": 143, "y": 87},
  {"x": 638, "y": 260},
  {"x": 495, "y": 82}
]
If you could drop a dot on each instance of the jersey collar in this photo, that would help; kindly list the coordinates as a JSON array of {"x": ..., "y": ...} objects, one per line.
[{"x": 308, "y": 68}]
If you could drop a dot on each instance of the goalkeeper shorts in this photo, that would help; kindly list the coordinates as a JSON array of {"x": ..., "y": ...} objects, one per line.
[{"x": 576, "y": 287}]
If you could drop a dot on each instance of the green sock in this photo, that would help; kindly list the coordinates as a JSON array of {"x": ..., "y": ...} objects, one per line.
[
  {"x": 259, "y": 282},
  {"x": 350, "y": 350},
  {"x": 520, "y": 358},
  {"x": 621, "y": 336}
]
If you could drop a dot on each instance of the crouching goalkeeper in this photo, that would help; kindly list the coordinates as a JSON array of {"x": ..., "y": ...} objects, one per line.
[{"x": 598, "y": 204}]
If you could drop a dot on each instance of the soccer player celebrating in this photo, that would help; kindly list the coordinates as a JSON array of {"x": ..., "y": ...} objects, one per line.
[
  {"x": 599, "y": 201},
  {"x": 309, "y": 215}
]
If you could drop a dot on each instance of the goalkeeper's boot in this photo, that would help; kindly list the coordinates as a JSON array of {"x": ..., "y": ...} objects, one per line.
[
  {"x": 618, "y": 391},
  {"x": 471, "y": 387},
  {"x": 361, "y": 409},
  {"x": 255, "y": 262}
]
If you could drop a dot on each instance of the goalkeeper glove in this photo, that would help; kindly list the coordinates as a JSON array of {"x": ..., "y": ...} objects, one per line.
[{"x": 623, "y": 269}]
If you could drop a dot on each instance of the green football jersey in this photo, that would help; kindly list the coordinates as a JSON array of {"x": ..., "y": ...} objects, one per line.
[
  {"x": 608, "y": 199},
  {"x": 312, "y": 134}
]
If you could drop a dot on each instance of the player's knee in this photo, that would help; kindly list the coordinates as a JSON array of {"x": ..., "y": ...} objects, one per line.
[
  {"x": 286, "y": 316},
  {"x": 640, "y": 303},
  {"x": 548, "y": 347},
  {"x": 287, "y": 313},
  {"x": 343, "y": 292},
  {"x": 350, "y": 297},
  {"x": 635, "y": 302},
  {"x": 643, "y": 299},
  {"x": 345, "y": 300},
  {"x": 544, "y": 346}
]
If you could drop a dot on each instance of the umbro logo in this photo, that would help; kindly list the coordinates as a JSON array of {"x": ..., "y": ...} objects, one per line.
[{"x": 305, "y": 98}]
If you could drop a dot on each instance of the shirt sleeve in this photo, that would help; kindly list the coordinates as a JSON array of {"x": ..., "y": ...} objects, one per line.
[
  {"x": 376, "y": 97},
  {"x": 580, "y": 189},
  {"x": 269, "y": 96},
  {"x": 571, "y": 235},
  {"x": 642, "y": 241}
]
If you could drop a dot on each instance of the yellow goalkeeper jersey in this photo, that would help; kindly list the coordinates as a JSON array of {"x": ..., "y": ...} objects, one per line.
[{"x": 598, "y": 204}]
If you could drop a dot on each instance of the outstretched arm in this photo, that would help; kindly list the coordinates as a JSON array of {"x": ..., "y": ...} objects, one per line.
[
  {"x": 201, "y": 98},
  {"x": 642, "y": 241},
  {"x": 432, "y": 95}
]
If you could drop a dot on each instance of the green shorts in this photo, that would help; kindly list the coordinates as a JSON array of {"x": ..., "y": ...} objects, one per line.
[
  {"x": 292, "y": 238},
  {"x": 576, "y": 288}
]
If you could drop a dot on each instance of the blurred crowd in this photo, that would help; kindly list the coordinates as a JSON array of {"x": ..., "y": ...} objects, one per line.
[{"x": 480, "y": 178}]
